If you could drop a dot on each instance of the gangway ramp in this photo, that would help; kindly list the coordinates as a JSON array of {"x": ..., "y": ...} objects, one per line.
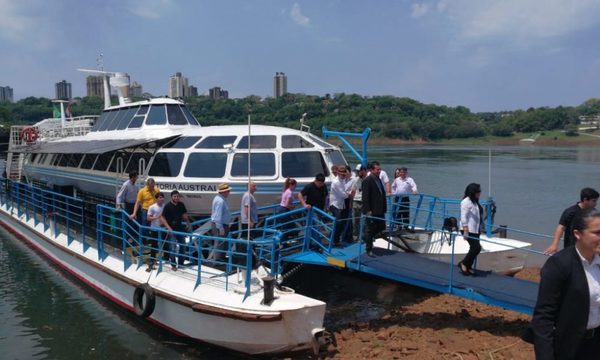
[{"x": 486, "y": 287}]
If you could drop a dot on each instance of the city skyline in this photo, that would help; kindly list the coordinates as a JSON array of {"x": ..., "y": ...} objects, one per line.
[{"x": 487, "y": 56}]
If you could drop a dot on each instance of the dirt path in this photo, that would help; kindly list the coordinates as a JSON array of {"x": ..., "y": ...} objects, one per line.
[{"x": 434, "y": 326}]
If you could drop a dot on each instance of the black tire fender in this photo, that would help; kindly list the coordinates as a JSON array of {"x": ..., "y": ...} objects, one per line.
[{"x": 141, "y": 308}]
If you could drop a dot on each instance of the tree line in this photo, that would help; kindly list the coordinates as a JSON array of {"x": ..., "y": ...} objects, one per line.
[{"x": 388, "y": 116}]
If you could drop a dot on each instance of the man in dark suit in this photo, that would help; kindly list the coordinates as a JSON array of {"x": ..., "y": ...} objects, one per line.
[
  {"x": 374, "y": 205},
  {"x": 563, "y": 305}
]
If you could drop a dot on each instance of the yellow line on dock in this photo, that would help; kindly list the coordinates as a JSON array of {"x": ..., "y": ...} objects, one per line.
[{"x": 336, "y": 262}]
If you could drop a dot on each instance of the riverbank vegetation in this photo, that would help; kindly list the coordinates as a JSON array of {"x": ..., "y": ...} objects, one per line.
[{"x": 389, "y": 117}]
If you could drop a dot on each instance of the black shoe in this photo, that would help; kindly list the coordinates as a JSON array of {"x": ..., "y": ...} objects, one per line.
[
  {"x": 173, "y": 267},
  {"x": 463, "y": 269}
]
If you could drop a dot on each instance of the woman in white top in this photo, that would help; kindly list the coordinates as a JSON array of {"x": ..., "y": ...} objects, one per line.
[{"x": 471, "y": 214}]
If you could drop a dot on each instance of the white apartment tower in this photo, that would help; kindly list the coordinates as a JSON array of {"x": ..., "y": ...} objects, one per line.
[
  {"x": 178, "y": 86},
  {"x": 279, "y": 84}
]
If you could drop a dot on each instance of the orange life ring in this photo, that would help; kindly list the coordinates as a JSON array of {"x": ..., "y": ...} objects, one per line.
[{"x": 29, "y": 135}]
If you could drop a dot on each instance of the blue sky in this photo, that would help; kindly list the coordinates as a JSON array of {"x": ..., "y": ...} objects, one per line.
[{"x": 485, "y": 55}]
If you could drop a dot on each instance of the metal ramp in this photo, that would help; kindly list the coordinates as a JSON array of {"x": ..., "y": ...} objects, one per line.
[{"x": 487, "y": 287}]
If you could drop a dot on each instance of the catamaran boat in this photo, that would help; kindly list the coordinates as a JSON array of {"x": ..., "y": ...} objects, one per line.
[
  {"x": 160, "y": 138},
  {"x": 59, "y": 190}
]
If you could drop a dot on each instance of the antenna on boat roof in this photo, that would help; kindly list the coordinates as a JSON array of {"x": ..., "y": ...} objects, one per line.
[
  {"x": 119, "y": 80},
  {"x": 302, "y": 125}
]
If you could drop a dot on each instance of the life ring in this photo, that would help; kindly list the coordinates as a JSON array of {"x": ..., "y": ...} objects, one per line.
[
  {"x": 29, "y": 135},
  {"x": 143, "y": 300}
]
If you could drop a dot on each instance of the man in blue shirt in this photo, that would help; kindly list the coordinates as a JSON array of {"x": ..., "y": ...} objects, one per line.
[{"x": 220, "y": 218}]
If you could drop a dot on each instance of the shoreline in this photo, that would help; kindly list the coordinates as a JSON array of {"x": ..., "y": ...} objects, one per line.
[{"x": 423, "y": 324}]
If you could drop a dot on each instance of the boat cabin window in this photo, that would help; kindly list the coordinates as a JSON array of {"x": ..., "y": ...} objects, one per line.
[
  {"x": 103, "y": 125},
  {"x": 319, "y": 141},
  {"x": 134, "y": 162},
  {"x": 117, "y": 165},
  {"x": 175, "y": 115},
  {"x": 166, "y": 164},
  {"x": 138, "y": 119},
  {"x": 126, "y": 119},
  {"x": 75, "y": 160},
  {"x": 216, "y": 142},
  {"x": 302, "y": 164},
  {"x": 295, "y": 142},
  {"x": 43, "y": 158},
  {"x": 190, "y": 118},
  {"x": 33, "y": 157},
  {"x": 156, "y": 116},
  {"x": 183, "y": 142},
  {"x": 56, "y": 159},
  {"x": 64, "y": 160},
  {"x": 103, "y": 161},
  {"x": 88, "y": 161},
  {"x": 100, "y": 120},
  {"x": 258, "y": 142},
  {"x": 262, "y": 164},
  {"x": 206, "y": 165},
  {"x": 337, "y": 158}
]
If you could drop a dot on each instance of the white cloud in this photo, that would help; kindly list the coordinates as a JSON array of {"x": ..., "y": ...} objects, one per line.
[
  {"x": 14, "y": 25},
  {"x": 419, "y": 10},
  {"x": 521, "y": 23},
  {"x": 298, "y": 17},
  {"x": 149, "y": 9}
]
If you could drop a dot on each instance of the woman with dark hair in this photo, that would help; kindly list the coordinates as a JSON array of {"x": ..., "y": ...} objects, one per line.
[
  {"x": 471, "y": 214},
  {"x": 566, "y": 319},
  {"x": 286, "y": 205}
]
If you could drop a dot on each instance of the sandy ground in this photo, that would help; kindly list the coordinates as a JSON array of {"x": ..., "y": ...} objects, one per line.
[{"x": 427, "y": 325}]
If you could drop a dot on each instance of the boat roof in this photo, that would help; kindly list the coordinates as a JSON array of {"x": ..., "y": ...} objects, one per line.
[{"x": 93, "y": 147}]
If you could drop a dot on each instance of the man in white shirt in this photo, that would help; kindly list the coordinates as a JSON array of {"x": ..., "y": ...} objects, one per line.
[
  {"x": 361, "y": 173},
  {"x": 153, "y": 216},
  {"x": 337, "y": 201},
  {"x": 403, "y": 186}
]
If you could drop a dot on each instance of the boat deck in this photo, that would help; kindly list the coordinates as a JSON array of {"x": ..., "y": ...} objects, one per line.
[{"x": 486, "y": 287}]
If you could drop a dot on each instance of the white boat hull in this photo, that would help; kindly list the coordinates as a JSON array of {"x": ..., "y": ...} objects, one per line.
[
  {"x": 498, "y": 254},
  {"x": 236, "y": 324}
]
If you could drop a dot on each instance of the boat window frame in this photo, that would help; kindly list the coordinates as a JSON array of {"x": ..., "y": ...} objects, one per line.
[
  {"x": 112, "y": 114},
  {"x": 111, "y": 153},
  {"x": 175, "y": 110},
  {"x": 152, "y": 107},
  {"x": 302, "y": 164},
  {"x": 210, "y": 137},
  {"x": 83, "y": 161},
  {"x": 213, "y": 163},
  {"x": 129, "y": 115},
  {"x": 303, "y": 140},
  {"x": 253, "y": 154},
  {"x": 256, "y": 142},
  {"x": 167, "y": 153},
  {"x": 190, "y": 117}
]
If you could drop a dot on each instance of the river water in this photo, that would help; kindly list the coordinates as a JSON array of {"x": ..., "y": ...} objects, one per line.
[{"x": 45, "y": 314}]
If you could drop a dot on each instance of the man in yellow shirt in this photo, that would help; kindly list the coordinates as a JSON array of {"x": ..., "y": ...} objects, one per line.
[{"x": 146, "y": 197}]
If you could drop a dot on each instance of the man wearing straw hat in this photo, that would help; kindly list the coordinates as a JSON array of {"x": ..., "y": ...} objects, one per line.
[{"x": 220, "y": 218}]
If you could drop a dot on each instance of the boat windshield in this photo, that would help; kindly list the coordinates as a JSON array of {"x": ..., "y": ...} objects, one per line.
[
  {"x": 261, "y": 164},
  {"x": 206, "y": 165},
  {"x": 258, "y": 142},
  {"x": 305, "y": 164},
  {"x": 216, "y": 142},
  {"x": 295, "y": 142}
]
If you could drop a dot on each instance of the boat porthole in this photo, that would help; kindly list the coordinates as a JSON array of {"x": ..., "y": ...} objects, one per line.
[{"x": 143, "y": 300}]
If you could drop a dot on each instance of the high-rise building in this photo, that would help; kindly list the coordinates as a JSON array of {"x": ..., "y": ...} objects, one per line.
[
  {"x": 217, "y": 93},
  {"x": 178, "y": 86},
  {"x": 279, "y": 84},
  {"x": 135, "y": 90},
  {"x": 62, "y": 90},
  {"x": 95, "y": 86},
  {"x": 6, "y": 93},
  {"x": 193, "y": 91}
]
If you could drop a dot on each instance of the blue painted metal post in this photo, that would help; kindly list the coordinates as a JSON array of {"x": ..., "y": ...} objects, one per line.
[{"x": 364, "y": 137}]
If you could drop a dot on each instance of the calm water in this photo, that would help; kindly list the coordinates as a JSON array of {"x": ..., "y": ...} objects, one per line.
[{"x": 44, "y": 314}]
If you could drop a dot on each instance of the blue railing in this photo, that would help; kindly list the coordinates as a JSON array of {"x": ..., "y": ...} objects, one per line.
[{"x": 209, "y": 256}]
